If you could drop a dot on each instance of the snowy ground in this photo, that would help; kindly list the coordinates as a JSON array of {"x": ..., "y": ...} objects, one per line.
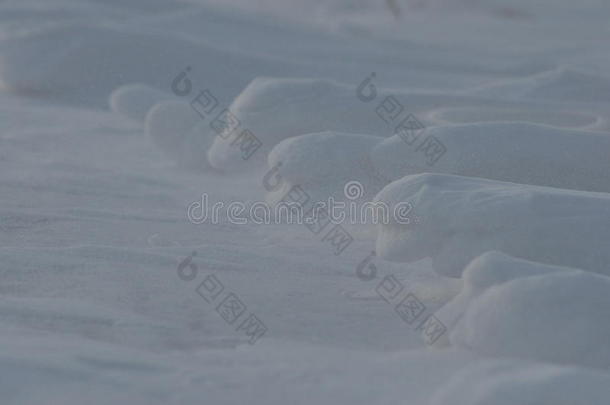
[{"x": 114, "y": 290}]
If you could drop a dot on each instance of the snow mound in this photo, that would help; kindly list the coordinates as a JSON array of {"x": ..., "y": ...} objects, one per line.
[
  {"x": 276, "y": 109},
  {"x": 558, "y": 317},
  {"x": 506, "y": 382},
  {"x": 135, "y": 100},
  {"x": 322, "y": 164},
  {"x": 559, "y": 85},
  {"x": 515, "y": 152},
  {"x": 459, "y": 218},
  {"x": 489, "y": 269},
  {"x": 31, "y": 62},
  {"x": 171, "y": 125}
]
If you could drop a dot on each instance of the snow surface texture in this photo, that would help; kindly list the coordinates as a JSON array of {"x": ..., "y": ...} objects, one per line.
[{"x": 98, "y": 123}]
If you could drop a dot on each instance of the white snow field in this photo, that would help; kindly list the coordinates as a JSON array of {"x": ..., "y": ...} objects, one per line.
[{"x": 145, "y": 144}]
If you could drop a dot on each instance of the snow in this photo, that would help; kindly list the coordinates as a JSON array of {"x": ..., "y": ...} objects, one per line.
[{"x": 110, "y": 131}]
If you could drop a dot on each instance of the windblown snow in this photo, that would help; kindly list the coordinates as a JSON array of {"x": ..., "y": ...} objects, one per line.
[{"x": 147, "y": 148}]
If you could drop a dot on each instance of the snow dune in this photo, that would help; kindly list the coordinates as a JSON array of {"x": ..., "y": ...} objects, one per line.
[
  {"x": 173, "y": 127},
  {"x": 463, "y": 217},
  {"x": 511, "y": 307},
  {"x": 515, "y": 152},
  {"x": 556, "y": 318},
  {"x": 499, "y": 142},
  {"x": 485, "y": 271},
  {"x": 322, "y": 164},
  {"x": 31, "y": 64},
  {"x": 275, "y": 109},
  {"x": 135, "y": 100}
]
